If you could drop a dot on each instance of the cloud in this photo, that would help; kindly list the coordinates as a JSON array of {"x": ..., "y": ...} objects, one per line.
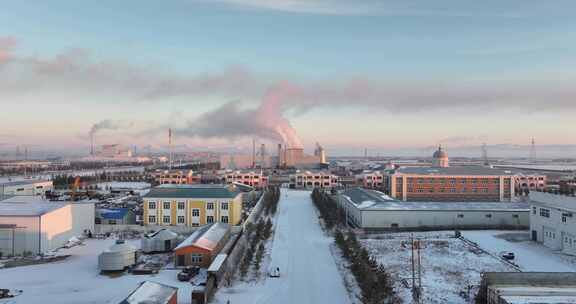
[
  {"x": 109, "y": 124},
  {"x": 75, "y": 74}
]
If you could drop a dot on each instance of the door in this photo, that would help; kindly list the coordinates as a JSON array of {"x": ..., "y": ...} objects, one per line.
[
  {"x": 167, "y": 245},
  {"x": 534, "y": 235}
]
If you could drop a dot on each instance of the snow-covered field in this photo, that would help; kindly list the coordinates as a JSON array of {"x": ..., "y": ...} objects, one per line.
[
  {"x": 76, "y": 280},
  {"x": 530, "y": 256},
  {"x": 449, "y": 265},
  {"x": 301, "y": 250}
]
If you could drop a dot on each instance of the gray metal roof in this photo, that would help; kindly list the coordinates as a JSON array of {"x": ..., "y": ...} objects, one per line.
[
  {"x": 151, "y": 293},
  {"x": 14, "y": 208},
  {"x": 206, "y": 237},
  {"x": 193, "y": 191},
  {"x": 22, "y": 183},
  {"x": 373, "y": 200},
  {"x": 463, "y": 170}
]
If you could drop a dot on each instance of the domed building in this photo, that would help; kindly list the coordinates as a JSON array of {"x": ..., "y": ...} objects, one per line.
[{"x": 440, "y": 158}]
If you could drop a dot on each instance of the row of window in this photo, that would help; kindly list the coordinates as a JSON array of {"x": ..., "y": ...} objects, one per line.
[
  {"x": 182, "y": 205},
  {"x": 181, "y": 219},
  {"x": 488, "y": 215},
  {"x": 451, "y": 180},
  {"x": 546, "y": 213},
  {"x": 452, "y": 190}
]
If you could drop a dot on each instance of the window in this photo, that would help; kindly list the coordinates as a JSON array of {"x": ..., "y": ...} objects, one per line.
[
  {"x": 151, "y": 219},
  {"x": 166, "y": 205},
  {"x": 209, "y": 219},
  {"x": 196, "y": 258},
  {"x": 151, "y": 205},
  {"x": 195, "y": 225},
  {"x": 97, "y": 221},
  {"x": 533, "y": 210},
  {"x": 181, "y": 205},
  {"x": 180, "y": 220},
  {"x": 195, "y": 212},
  {"x": 515, "y": 215},
  {"x": 210, "y": 206},
  {"x": 166, "y": 219},
  {"x": 460, "y": 215},
  {"x": 544, "y": 212},
  {"x": 224, "y": 206},
  {"x": 489, "y": 215},
  {"x": 224, "y": 219},
  {"x": 563, "y": 219}
]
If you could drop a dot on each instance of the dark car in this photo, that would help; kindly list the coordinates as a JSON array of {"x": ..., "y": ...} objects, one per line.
[
  {"x": 508, "y": 256},
  {"x": 188, "y": 273}
]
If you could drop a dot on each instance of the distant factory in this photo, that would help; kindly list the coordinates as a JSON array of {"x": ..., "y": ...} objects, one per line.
[{"x": 286, "y": 157}]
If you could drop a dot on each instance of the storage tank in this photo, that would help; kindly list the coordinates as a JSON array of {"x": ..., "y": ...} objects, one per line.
[
  {"x": 118, "y": 257},
  {"x": 163, "y": 240}
]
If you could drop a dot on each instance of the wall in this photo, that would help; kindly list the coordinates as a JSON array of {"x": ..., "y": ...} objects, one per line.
[
  {"x": 26, "y": 237},
  {"x": 444, "y": 219},
  {"x": 552, "y": 231}
]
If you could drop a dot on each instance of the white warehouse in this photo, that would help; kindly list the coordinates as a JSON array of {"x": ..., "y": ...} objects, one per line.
[
  {"x": 553, "y": 222},
  {"x": 374, "y": 210},
  {"x": 25, "y": 187},
  {"x": 33, "y": 226}
]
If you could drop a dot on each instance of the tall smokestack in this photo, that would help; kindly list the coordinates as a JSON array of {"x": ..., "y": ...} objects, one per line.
[
  {"x": 170, "y": 148},
  {"x": 279, "y": 155},
  {"x": 91, "y": 144},
  {"x": 253, "y": 153}
]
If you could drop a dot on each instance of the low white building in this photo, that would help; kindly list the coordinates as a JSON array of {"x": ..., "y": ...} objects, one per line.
[
  {"x": 25, "y": 187},
  {"x": 311, "y": 180},
  {"x": 375, "y": 210},
  {"x": 35, "y": 226},
  {"x": 553, "y": 221}
]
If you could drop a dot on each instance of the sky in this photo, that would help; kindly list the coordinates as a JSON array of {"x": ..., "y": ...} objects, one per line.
[{"x": 385, "y": 75}]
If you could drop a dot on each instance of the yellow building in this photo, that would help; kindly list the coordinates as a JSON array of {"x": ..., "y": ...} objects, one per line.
[{"x": 192, "y": 205}]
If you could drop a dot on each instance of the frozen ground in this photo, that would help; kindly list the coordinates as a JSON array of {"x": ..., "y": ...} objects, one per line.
[
  {"x": 530, "y": 256},
  {"x": 301, "y": 250},
  {"x": 76, "y": 280},
  {"x": 449, "y": 265}
]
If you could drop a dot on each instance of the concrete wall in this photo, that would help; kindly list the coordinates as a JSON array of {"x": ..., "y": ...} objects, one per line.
[
  {"x": 26, "y": 235},
  {"x": 444, "y": 219}
]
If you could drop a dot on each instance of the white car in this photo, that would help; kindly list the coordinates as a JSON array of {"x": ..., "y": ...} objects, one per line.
[{"x": 274, "y": 272}]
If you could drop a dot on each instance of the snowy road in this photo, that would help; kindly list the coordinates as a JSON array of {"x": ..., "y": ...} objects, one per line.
[{"x": 301, "y": 250}]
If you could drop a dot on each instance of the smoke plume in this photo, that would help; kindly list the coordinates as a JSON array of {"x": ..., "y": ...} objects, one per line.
[
  {"x": 266, "y": 121},
  {"x": 109, "y": 124}
]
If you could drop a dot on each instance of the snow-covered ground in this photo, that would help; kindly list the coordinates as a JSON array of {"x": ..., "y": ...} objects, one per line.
[
  {"x": 530, "y": 256},
  {"x": 76, "y": 280},
  {"x": 449, "y": 265},
  {"x": 301, "y": 250}
]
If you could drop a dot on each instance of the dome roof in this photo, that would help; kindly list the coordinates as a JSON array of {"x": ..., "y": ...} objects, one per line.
[{"x": 440, "y": 154}]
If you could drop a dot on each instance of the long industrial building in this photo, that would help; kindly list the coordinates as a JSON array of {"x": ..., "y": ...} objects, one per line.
[
  {"x": 25, "y": 188},
  {"x": 372, "y": 209},
  {"x": 30, "y": 225}
]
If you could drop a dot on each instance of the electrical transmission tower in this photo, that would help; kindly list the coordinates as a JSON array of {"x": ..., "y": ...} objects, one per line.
[
  {"x": 485, "y": 155},
  {"x": 532, "y": 157}
]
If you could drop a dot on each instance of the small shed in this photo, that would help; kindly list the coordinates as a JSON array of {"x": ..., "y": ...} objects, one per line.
[
  {"x": 118, "y": 257},
  {"x": 149, "y": 292},
  {"x": 202, "y": 246},
  {"x": 163, "y": 240}
]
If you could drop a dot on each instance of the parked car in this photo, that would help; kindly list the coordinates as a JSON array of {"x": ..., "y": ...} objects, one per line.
[
  {"x": 507, "y": 255},
  {"x": 188, "y": 273},
  {"x": 274, "y": 272}
]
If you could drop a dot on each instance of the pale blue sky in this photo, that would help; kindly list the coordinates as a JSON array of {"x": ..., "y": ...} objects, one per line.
[{"x": 457, "y": 44}]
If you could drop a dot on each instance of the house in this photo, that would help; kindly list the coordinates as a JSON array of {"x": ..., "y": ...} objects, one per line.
[
  {"x": 553, "y": 221},
  {"x": 192, "y": 205},
  {"x": 115, "y": 216},
  {"x": 149, "y": 292},
  {"x": 527, "y": 287},
  {"x": 32, "y": 226},
  {"x": 202, "y": 246},
  {"x": 372, "y": 209}
]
